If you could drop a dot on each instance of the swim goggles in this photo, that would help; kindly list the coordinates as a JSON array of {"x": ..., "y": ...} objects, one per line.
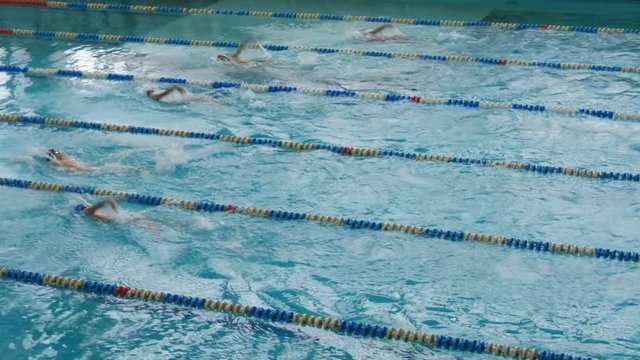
[{"x": 52, "y": 154}]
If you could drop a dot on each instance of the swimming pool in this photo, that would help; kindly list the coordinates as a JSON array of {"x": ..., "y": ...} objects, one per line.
[{"x": 573, "y": 304}]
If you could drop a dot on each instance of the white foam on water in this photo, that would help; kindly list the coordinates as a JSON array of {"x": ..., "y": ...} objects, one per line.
[{"x": 171, "y": 156}]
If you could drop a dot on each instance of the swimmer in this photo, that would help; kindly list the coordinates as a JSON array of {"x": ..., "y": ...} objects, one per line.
[
  {"x": 236, "y": 59},
  {"x": 57, "y": 159},
  {"x": 178, "y": 94},
  {"x": 93, "y": 210},
  {"x": 377, "y": 34},
  {"x": 118, "y": 216},
  {"x": 160, "y": 94}
]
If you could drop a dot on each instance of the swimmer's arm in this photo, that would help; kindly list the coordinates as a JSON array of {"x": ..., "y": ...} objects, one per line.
[
  {"x": 236, "y": 55},
  {"x": 379, "y": 28},
  {"x": 166, "y": 92},
  {"x": 91, "y": 210}
]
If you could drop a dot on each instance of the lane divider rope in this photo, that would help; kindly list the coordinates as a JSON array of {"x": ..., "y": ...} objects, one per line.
[
  {"x": 308, "y": 146},
  {"x": 47, "y": 34},
  {"x": 182, "y": 11},
  {"x": 341, "y": 327},
  {"x": 531, "y": 245},
  {"x": 284, "y": 89}
]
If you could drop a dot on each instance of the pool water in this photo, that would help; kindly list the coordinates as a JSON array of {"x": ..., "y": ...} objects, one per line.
[{"x": 561, "y": 303}]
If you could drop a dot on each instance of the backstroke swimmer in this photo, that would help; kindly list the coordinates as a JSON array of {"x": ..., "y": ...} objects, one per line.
[{"x": 58, "y": 159}]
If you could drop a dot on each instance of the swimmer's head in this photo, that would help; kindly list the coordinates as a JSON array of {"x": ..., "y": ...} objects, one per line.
[
  {"x": 79, "y": 207},
  {"x": 224, "y": 58},
  {"x": 149, "y": 92},
  {"x": 54, "y": 154}
]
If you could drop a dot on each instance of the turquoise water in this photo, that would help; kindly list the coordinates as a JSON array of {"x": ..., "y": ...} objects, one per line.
[{"x": 558, "y": 303}]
